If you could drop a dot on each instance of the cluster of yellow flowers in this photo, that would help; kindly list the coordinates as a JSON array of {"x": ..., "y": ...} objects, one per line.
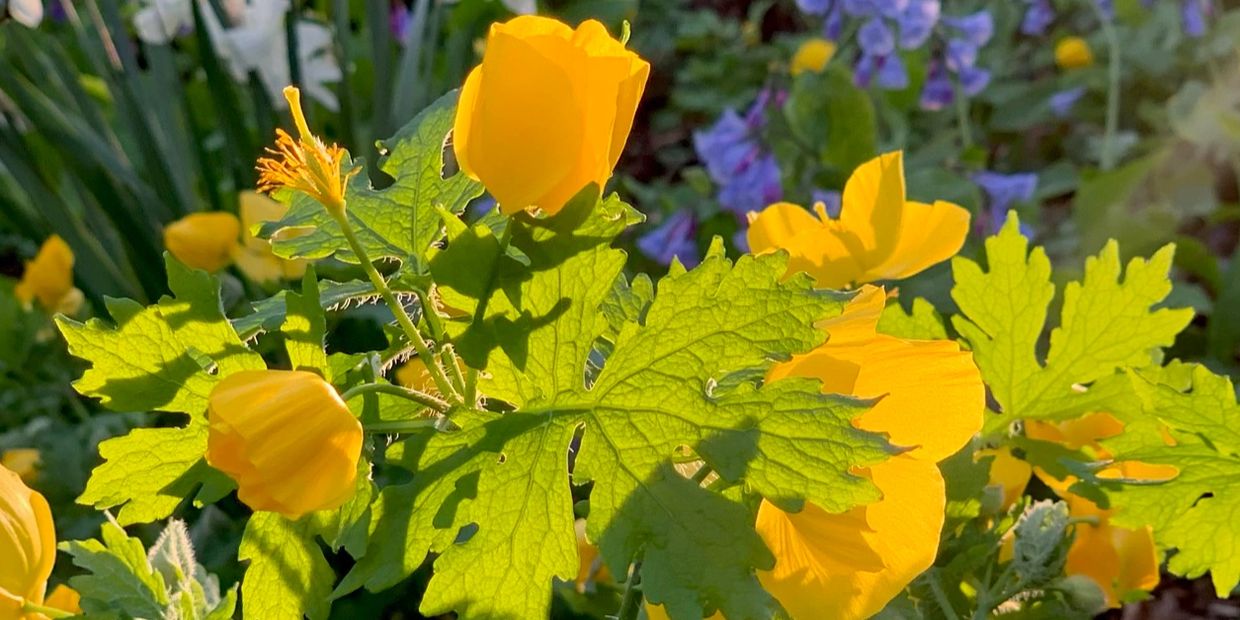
[{"x": 293, "y": 447}]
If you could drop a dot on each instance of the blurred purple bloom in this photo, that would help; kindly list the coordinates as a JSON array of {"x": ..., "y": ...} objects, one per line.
[
  {"x": 814, "y": 7},
  {"x": 1038, "y": 17},
  {"x": 976, "y": 28},
  {"x": 961, "y": 54},
  {"x": 726, "y": 145},
  {"x": 875, "y": 38},
  {"x": 754, "y": 186},
  {"x": 1193, "y": 17},
  {"x": 1107, "y": 8},
  {"x": 673, "y": 238},
  {"x": 973, "y": 80},
  {"x": 891, "y": 73},
  {"x": 741, "y": 240},
  {"x": 400, "y": 20},
  {"x": 830, "y": 198},
  {"x": 917, "y": 22},
  {"x": 1002, "y": 190},
  {"x": 1063, "y": 101},
  {"x": 938, "y": 92}
]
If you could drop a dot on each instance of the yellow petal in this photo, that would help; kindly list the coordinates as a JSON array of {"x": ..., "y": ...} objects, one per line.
[
  {"x": 64, "y": 598},
  {"x": 777, "y": 225},
  {"x": 49, "y": 277},
  {"x": 932, "y": 396},
  {"x": 286, "y": 438},
  {"x": 813, "y": 55},
  {"x": 854, "y": 565},
  {"x": 1008, "y": 473},
  {"x": 1121, "y": 561},
  {"x": 929, "y": 234},
  {"x": 27, "y": 545},
  {"x": 1073, "y": 53},
  {"x": 872, "y": 208},
  {"x": 203, "y": 240}
]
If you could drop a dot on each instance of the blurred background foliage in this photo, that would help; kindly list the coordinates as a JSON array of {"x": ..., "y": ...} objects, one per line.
[{"x": 120, "y": 117}]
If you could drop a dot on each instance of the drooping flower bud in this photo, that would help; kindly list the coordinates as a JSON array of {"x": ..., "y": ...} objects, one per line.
[
  {"x": 286, "y": 438},
  {"x": 27, "y": 545},
  {"x": 203, "y": 240}
]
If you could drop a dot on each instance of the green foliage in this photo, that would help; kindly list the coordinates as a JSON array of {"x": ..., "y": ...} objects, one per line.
[
  {"x": 165, "y": 357},
  {"x": 535, "y": 330},
  {"x": 123, "y": 580},
  {"x": 399, "y": 221},
  {"x": 1110, "y": 321}
]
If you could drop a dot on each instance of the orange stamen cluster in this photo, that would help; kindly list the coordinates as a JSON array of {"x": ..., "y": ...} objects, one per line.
[{"x": 305, "y": 164}]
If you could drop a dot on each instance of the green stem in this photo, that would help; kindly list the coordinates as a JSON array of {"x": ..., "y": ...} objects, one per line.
[
  {"x": 402, "y": 317},
  {"x": 401, "y": 426},
  {"x": 471, "y": 385},
  {"x": 962, "y": 115},
  {"x": 50, "y": 612},
  {"x": 448, "y": 358},
  {"x": 1108, "y": 156},
  {"x": 422, "y": 398},
  {"x": 631, "y": 604},
  {"x": 940, "y": 595}
]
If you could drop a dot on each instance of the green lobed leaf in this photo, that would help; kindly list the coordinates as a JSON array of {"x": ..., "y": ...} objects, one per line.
[
  {"x": 399, "y": 221},
  {"x": 288, "y": 577},
  {"x": 269, "y": 313},
  {"x": 120, "y": 580},
  {"x": 305, "y": 328},
  {"x": 1111, "y": 320},
  {"x": 1194, "y": 512},
  {"x": 505, "y": 479}
]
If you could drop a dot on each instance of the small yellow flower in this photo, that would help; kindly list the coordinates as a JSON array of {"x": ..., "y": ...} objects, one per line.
[
  {"x": 306, "y": 164},
  {"x": 22, "y": 461},
  {"x": 813, "y": 55},
  {"x": 1122, "y": 561},
  {"x": 27, "y": 545},
  {"x": 879, "y": 235},
  {"x": 253, "y": 255},
  {"x": 1073, "y": 53},
  {"x": 932, "y": 401},
  {"x": 547, "y": 112},
  {"x": 286, "y": 438},
  {"x": 49, "y": 278},
  {"x": 203, "y": 240},
  {"x": 64, "y": 598}
]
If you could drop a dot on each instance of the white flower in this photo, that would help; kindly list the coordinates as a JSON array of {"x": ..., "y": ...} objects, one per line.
[
  {"x": 257, "y": 41},
  {"x": 522, "y": 7},
  {"x": 28, "y": 13},
  {"x": 160, "y": 21}
]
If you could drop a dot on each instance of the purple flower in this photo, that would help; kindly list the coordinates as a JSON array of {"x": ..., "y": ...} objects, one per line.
[
  {"x": 938, "y": 92},
  {"x": 917, "y": 22},
  {"x": 814, "y": 7},
  {"x": 973, "y": 80},
  {"x": 400, "y": 21},
  {"x": 1063, "y": 101},
  {"x": 875, "y": 38},
  {"x": 976, "y": 28},
  {"x": 1193, "y": 17},
  {"x": 674, "y": 238},
  {"x": 1038, "y": 17},
  {"x": 754, "y": 186},
  {"x": 1002, "y": 190},
  {"x": 725, "y": 146},
  {"x": 1107, "y": 8},
  {"x": 961, "y": 54},
  {"x": 891, "y": 73}
]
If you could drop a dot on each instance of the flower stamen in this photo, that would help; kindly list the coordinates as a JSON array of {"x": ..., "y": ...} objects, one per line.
[{"x": 305, "y": 164}]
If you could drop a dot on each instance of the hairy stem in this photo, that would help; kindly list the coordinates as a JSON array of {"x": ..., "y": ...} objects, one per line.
[{"x": 382, "y": 387}]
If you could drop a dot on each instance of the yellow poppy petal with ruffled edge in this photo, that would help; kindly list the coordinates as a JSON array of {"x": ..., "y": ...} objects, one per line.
[
  {"x": 49, "y": 276},
  {"x": 845, "y": 567},
  {"x": 1008, "y": 473},
  {"x": 1122, "y": 561}
]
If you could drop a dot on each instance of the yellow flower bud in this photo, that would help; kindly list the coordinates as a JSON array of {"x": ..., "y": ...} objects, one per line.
[
  {"x": 254, "y": 256},
  {"x": 203, "y": 240},
  {"x": 813, "y": 55},
  {"x": 286, "y": 438},
  {"x": 22, "y": 461},
  {"x": 49, "y": 278},
  {"x": 27, "y": 545},
  {"x": 1073, "y": 53},
  {"x": 64, "y": 598},
  {"x": 547, "y": 112}
]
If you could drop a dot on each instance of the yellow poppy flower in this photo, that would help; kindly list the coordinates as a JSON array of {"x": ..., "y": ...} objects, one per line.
[
  {"x": 49, "y": 278},
  {"x": 1122, "y": 561},
  {"x": 253, "y": 255},
  {"x": 1008, "y": 473},
  {"x": 813, "y": 55},
  {"x": 22, "y": 461},
  {"x": 286, "y": 438},
  {"x": 64, "y": 598},
  {"x": 203, "y": 240},
  {"x": 1073, "y": 53},
  {"x": 306, "y": 164},
  {"x": 547, "y": 112},
  {"x": 931, "y": 403},
  {"x": 879, "y": 235},
  {"x": 27, "y": 545}
]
